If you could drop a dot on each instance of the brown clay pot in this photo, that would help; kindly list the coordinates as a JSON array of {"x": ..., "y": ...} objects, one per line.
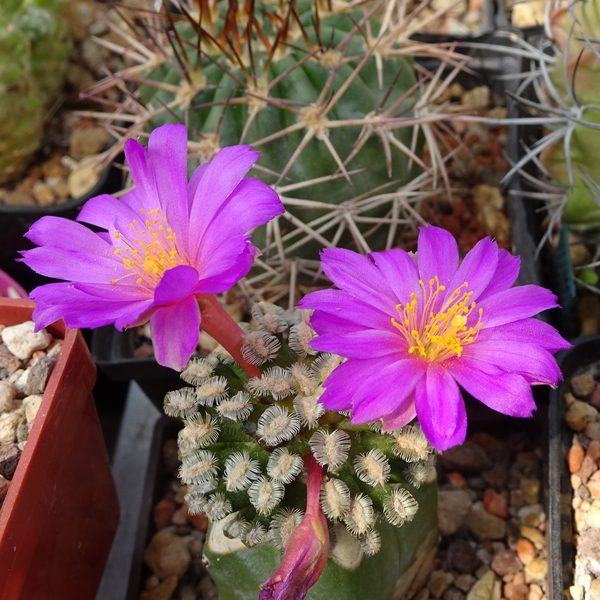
[{"x": 61, "y": 512}]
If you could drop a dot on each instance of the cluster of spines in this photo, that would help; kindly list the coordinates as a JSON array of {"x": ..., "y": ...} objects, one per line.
[{"x": 243, "y": 440}]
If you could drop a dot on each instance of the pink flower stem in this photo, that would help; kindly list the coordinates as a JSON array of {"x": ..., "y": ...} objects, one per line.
[{"x": 217, "y": 322}]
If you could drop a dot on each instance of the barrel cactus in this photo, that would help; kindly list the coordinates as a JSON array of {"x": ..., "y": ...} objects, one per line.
[
  {"x": 570, "y": 80},
  {"x": 34, "y": 46},
  {"x": 242, "y": 449},
  {"x": 325, "y": 90}
]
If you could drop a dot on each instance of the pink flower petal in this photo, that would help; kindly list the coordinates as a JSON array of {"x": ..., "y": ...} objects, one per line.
[
  {"x": 515, "y": 304},
  {"x": 176, "y": 284},
  {"x": 399, "y": 270},
  {"x": 476, "y": 269},
  {"x": 175, "y": 332},
  {"x": 143, "y": 175},
  {"x": 358, "y": 276},
  {"x": 441, "y": 409},
  {"x": 218, "y": 181},
  {"x": 402, "y": 415},
  {"x": 369, "y": 343},
  {"x": 532, "y": 331},
  {"x": 507, "y": 393},
  {"x": 395, "y": 383},
  {"x": 167, "y": 155},
  {"x": 505, "y": 276},
  {"x": 341, "y": 385},
  {"x": 525, "y": 359},
  {"x": 437, "y": 254}
]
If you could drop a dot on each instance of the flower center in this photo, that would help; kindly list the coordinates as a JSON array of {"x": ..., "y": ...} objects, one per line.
[
  {"x": 437, "y": 336},
  {"x": 149, "y": 249}
]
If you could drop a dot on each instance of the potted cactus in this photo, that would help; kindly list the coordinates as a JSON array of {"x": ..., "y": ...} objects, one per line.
[
  {"x": 59, "y": 517},
  {"x": 286, "y": 433}
]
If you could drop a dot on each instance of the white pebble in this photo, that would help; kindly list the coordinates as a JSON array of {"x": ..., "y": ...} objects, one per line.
[{"x": 23, "y": 342}]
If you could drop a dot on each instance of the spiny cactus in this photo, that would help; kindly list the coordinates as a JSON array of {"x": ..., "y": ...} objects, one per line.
[
  {"x": 325, "y": 90},
  {"x": 34, "y": 46},
  {"x": 243, "y": 441}
]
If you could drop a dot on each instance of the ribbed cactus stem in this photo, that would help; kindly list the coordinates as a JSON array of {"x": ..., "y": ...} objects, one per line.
[{"x": 217, "y": 322}]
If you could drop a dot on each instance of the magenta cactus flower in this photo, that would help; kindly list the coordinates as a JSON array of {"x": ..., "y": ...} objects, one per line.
[
  {"x": 305, "y": 554},
  {"x": 166, "y": 243},
  {"x": 415, "y": 328}
]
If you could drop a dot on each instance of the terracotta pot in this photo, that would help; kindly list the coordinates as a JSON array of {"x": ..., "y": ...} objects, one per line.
[
  {"x": 9, "y": 288},
  {"x": 61, "y": 512}
]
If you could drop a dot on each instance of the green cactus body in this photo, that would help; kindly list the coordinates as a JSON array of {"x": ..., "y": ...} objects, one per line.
[
  {"x": 581, "y": 210},
  {"x": 33, "y": 51},
  {"x": 232, "y": 100},
  {"x": 243, "y": 446}
]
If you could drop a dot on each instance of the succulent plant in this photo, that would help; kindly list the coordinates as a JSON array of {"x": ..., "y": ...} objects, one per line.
[
  {"x": 34, "y": 46},
  {"x": 244, "y": 439},
  {"x": 326, "y": 91}
]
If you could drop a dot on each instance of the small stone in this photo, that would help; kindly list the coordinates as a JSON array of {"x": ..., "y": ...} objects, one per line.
[
  {"x": 39, "y": 373},
  {"x": 478, "y": 97},
  {"x": 85, "y": 141},
  {"x": 54, "y": 349},
  {"x": 576, "y": 592},
  {"x": 43, "y": 194},
  {"x": 22, "y": 341},
  {"x": 504, "y": 563},
  {"x": 7, "y": 395},
  {"x": 84, "y": 177},
  {"x": 180, "y": 516},
  {"x": 497, "y": 477},
  {"x": 455, "y": 479},
  {"x": 486, "y": 588},
  {"x": 593, "y": 515},
  {"x": 200, "y": 521},
  {"x": 583, "y": 385},
  {"x": 579, "y": 414},
  {"x": 495, "y": 504},
  {"x": 8, "y": 427},
  {"x": 162, "y": 513},
  {"x": 575, "y": 457},
  {"x": 31, "y": 404},
  {"x": 593, "y": 450},
  {"x": 167, "y": 555},
  {"x": 464, "y": 582},
  {"x": 4, "y": 485},
  {"x": 594, "y": 399},
  {"x": 187, "y": 592},
  {"x": 533, "y": 535},
  {"x": 575, "y": 481},
  {"x": 9, "y": 459},
  {"x": 19, "y": 198},
  {"x": 484, "y": 525},
  {"x": 9, "y": 362},
  {"x": 438, "y": 582},
  {"x": 595, "y": 589},
  {"x": 530, "y": 489},
  {"x": 588, "y": 466},
  {"x": 462, "y": 556},
  {"x": 466, "y": 458},
  {"x": 592, "y": 430},
  {"x": 453, "y": 508},
  {"x": 453, "y": 593},
  {"x": 516, "y": 591},
  {"x": 163, "y": 591},
  {"x": 525, "y": 551},
  {"x": 532, "y": 515},
  {"x": 535, "y": 592},
  {"x": 593, "y": 485},
  {"x": 535, "y": 571}
]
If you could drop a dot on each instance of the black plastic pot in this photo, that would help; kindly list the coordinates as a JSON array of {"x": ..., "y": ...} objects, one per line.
[{"x": 113, "y": 351}]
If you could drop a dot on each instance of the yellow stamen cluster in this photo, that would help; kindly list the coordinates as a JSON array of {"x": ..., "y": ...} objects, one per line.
[
  {"x": 438, "y": 333},
  {"x": 149, "y": 249}
]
